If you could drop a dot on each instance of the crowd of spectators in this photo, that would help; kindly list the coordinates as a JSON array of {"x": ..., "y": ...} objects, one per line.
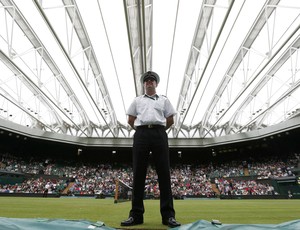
[
  {"x": 226, "y": 178},
  {"x": 37, "y": 185},
  {"x": 233, "y": 187}
]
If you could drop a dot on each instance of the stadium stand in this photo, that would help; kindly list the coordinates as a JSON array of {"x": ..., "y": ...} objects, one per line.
[{"x": 225, "y": 180}]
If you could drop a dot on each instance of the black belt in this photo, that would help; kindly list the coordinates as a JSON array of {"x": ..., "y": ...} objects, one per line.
[{"x": 150, "y": 126}]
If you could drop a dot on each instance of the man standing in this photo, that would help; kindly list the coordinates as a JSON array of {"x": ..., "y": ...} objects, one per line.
[{"x": 151, "y": 115}]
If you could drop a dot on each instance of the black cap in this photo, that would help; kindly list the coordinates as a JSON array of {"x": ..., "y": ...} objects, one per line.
[{"x": 150, "y": 74}]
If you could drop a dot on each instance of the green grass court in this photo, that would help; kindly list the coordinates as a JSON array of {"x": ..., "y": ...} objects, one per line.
[{"x": 187, "y": 211}]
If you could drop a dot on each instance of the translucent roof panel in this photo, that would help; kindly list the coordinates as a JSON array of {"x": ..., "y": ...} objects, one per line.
[{"x": 73, "y": 67}]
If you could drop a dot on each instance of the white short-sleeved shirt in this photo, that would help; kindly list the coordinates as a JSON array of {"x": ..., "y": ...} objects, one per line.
[{"x": 151, "y": 110}]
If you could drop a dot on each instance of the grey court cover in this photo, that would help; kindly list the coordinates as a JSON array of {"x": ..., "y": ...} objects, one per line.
[
  {"x": 49, "y": 224},
  {"x": 206, "y": 225}
]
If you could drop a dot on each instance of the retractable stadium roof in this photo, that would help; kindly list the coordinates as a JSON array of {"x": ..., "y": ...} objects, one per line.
[{"x": 73, "y": 67}]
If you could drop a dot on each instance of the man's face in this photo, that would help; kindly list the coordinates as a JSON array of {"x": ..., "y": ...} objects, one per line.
[{"x": 150, "y": 82}]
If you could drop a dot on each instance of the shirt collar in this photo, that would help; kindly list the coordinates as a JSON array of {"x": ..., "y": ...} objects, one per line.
[{"x": 154, "y": 97}]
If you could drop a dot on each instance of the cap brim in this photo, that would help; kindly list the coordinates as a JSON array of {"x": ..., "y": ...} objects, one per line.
[
  {"x": 150, "y": 74},
  {"x": 150, "y": 77}
]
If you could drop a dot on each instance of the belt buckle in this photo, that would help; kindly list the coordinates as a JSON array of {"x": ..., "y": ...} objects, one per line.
[{"x": 150, "y": 126}]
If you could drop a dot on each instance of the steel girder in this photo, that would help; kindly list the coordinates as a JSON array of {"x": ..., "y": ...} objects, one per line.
[
  {"x": 139, "y": 29},
  {"x": 87, "y": 49},
  {"x": 59, "y": 125},
  {"x": 187, "y": 93},
  {"x": 239, "y": 58},
  {"x": 257, "y": 121}
]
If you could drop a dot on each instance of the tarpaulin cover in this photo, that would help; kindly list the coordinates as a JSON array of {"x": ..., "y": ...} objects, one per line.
[
  {"x": 206, "y": 225},
  {"x": 38, "y": 224},
  {"x": 49, "y": 224}
]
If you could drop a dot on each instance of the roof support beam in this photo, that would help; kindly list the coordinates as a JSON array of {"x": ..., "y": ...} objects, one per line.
[
  {"x": 204, "y": 21},
  {"x": 112, "y": 125},
  {"x": 139, "y": 29},
  {"x": 244, "y": 48},
  {"x": 41, "y": 50},
  {"x": 89, "y": 52}
]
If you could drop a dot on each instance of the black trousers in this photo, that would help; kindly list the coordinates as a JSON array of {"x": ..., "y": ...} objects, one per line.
[{"x": 156, "y": 141}]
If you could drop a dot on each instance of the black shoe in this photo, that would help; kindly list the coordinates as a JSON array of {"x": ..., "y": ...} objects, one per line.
[
  {"x": 131, "y": 221},
  {"x": 171, "y": 222}
]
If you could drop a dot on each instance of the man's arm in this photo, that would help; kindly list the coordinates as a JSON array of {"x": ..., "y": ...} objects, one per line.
[
  {"x": 131, "y": 120},
  {"x": 169, "y": 121}
]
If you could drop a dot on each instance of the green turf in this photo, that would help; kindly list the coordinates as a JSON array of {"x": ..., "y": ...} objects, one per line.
[{"x": 187, "y": 211}]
